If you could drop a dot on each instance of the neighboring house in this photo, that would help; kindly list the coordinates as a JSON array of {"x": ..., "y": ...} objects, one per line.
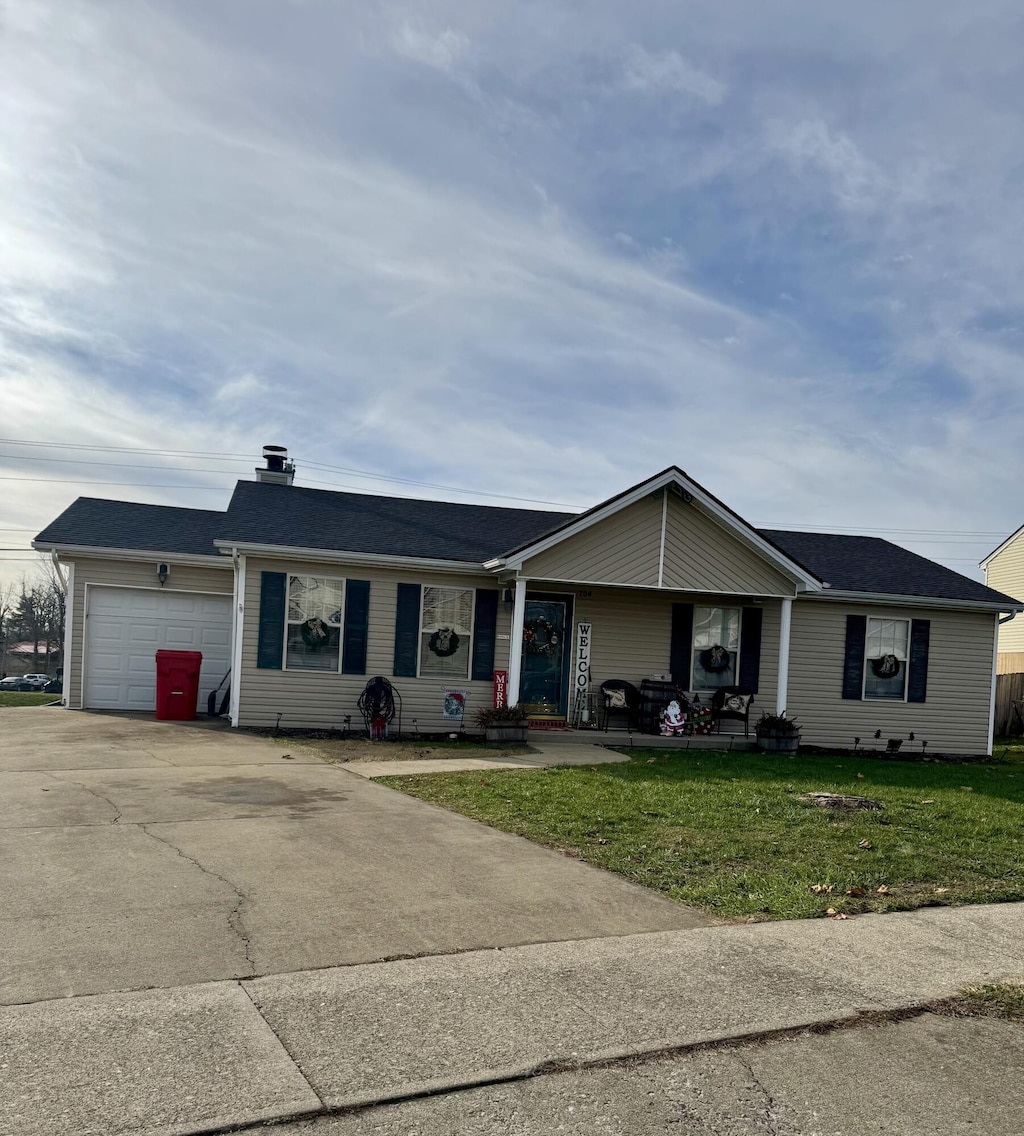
[
  {"x": 1004, "y": 571},
  {"x": 27, "y": 658},
  {"x": 306, "y": 593}
]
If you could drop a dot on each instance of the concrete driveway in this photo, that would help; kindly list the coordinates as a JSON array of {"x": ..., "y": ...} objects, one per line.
[{"x": 143, "y": 854}]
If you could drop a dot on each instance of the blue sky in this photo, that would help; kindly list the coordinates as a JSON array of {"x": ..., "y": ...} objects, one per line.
[{"x": 542, "y": 250}]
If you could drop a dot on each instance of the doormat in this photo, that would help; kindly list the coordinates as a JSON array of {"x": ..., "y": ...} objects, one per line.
[{"x": 531, "y": 724}]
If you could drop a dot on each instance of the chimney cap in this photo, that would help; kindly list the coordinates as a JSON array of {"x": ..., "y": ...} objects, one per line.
[{"x": 277, "y": 469}]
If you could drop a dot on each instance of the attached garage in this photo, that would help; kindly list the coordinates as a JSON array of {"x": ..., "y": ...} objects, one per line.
[{"x": 125, "y": 627}]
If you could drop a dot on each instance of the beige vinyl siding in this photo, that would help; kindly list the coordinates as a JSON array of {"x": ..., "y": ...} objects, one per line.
[
  {"x": 623, "y": 549},
  {"x": 129, "y": 574},
  {"x": 632, "y": 631},
  {"x": 322, "y": 699},
  {"x": 955, "y": 717},
  {"x": 1005, "y": 573},
  {"x": 701, "y": 555}
]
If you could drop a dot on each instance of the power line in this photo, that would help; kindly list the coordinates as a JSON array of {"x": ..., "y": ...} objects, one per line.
[{"x": 302, "y": 461}]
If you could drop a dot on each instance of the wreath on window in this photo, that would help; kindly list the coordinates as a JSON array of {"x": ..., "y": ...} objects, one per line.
[
  {"x": 444, "y": 642},
  {"x": 888, "y": 666},
  {"x": 315, "y": 633},
  {"x": 539, "y": 637},
  {"x": 715, "y": 660}
]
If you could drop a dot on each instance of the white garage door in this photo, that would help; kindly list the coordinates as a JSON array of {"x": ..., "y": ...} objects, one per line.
[{"x": 125, "y": 627}]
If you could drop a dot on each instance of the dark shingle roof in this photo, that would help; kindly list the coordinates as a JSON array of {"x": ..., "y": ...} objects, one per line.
[
  {"x": 93, "y": 522},
  {"x": 261, "y": 513},
  {"x": 870, "y": 564}
]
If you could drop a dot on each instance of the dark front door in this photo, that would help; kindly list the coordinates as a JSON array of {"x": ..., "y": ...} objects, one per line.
[{"x": 545, "y": 677}]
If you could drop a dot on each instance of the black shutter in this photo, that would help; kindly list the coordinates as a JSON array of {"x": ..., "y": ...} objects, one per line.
[
  {"x": 357, "y": 621},
  {"x": 853, "y": 659},
  {"x": 917, "y": 676},
  {"x": 750, "y": 647},
  {"x": 681, "y": 645},
  {"x": 407, "y": 630},
  {"x": 485, "y": 628},
  {"x": 270, "y": 644}
]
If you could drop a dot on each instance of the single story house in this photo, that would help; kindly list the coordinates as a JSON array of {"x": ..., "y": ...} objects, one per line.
[
  {"x": 1004, "y": 571},
  {"x": 303, "y": 594}
]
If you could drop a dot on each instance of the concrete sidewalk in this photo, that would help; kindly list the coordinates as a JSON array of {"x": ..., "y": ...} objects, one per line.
[
  {"x": 193, "y": 1059},
  {"x": 543, "y": 755}
]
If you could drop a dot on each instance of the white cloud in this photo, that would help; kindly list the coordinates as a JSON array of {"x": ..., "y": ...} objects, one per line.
[
  {"x": 659, "y": 72},
  {"x": 442, "y": 50}
]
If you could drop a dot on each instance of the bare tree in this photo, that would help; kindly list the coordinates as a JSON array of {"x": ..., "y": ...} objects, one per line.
[{"x": 7, "y": 604}]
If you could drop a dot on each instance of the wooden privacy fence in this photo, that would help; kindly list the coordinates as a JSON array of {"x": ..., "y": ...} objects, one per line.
[{"x": 1009, "y": 704}]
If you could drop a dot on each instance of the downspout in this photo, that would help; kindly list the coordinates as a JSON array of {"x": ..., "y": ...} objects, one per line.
[
  {"x": 60, "y": 575},
  {"x": 995, "y": 677},
  {"x": 237, "y": 627}
]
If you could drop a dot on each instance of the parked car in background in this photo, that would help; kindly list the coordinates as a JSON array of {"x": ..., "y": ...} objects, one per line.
[
  {"x": 54, "y": 686},
  {"x": 36, "y": 681},
  {"x": 12, "y": 683}
]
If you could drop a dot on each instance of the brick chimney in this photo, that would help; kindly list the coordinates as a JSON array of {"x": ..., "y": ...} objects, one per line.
[{"x": 278, "y": 470}]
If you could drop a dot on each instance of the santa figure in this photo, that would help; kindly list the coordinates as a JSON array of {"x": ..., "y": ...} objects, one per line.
[{"x": 673, "y": 720}]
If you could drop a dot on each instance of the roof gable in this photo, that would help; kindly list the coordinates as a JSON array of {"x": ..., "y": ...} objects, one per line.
[{"x": 673, "y": 481}]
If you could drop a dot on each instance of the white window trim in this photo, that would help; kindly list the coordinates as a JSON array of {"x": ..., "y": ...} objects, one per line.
[
  {"x": 292, "y": 622},
  {"x": 693, "y": 646},
  {"x": 422, "y": 629},
  {"x": 864, "y": 696}
]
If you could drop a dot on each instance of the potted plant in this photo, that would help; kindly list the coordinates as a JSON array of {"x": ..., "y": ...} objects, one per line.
[
  {"x": 777, "y": 734},
  {"x": 503, "y": 725}
]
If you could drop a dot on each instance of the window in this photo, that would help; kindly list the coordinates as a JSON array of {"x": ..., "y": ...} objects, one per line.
[
  {"x": 446, "y": 628},
  {"x": 716, "y": 646},
  {"x": 885, "y": 673},
  {"x": 313, "y": 626}
]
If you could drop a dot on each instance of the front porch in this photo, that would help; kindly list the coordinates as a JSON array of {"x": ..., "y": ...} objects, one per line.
[{"x": 630, "y": 739}]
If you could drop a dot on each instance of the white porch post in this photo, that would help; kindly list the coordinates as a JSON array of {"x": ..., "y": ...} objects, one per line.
[
  {"x": 785, "y": 622},
  {"x": 515, "y": 647}
]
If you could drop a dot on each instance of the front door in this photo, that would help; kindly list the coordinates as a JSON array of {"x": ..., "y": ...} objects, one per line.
[{"x": 543, "y": 688}]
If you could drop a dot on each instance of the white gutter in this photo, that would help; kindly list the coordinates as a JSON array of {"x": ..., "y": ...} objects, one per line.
[
  {"x": 885, "y": 599},
  {"x": 133, "y": 554},
  {"x": 288, "y": 552}
]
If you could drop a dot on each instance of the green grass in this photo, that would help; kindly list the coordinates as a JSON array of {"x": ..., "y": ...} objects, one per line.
[
  {"x": 1005, "y": 1000},
  {"x": 728, "y": 832},
  {"x": 16, "y": 698}
]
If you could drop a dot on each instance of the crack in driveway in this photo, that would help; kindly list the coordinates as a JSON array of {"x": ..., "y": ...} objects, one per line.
[
  {"x": 234, "y": 919},
  {"x": 92, "y": 793}
]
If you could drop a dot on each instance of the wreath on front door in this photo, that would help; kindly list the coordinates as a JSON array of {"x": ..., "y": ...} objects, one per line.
[
  {"x": 444, "y": 642},
  {"x": 888, "y": 666},
  {"x": 540, "y": 637},
  {"x": 715, "y": 660},
  {"x": 315, "y": 633}
]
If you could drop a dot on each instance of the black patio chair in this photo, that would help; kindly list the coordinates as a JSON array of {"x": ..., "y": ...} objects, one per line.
[
  {"x": 732, "y": 702},
  {"x": 380, "y": 704},
  {"x": 620, "y": 697}
]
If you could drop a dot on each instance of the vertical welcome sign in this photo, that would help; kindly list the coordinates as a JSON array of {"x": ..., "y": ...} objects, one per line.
[{"x": 581, "y": 672}]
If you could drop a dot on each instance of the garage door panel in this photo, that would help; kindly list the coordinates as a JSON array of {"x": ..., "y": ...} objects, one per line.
[{"x": 126, "y": 627}]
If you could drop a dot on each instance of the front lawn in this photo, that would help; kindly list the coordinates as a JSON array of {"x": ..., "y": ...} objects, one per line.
[
  {"x": 17, "y": 698},
  {"x": 730, "y": 834}
]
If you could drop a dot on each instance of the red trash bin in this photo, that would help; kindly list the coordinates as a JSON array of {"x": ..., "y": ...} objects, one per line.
[{"x": 177, "y": 685}]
